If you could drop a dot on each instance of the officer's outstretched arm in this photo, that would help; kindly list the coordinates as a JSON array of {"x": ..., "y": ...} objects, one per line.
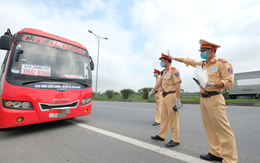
[
  {"x": 179, "y": 59},
  {"x": 174, "y": 58}
]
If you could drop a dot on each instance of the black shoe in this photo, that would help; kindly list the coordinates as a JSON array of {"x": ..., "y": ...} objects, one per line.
[
  {"x": 211, "y": 157},
  {"x": 157, "y": 138},
  {"x": 156, "y": 124},
  {"x": 171, "y": 144}
]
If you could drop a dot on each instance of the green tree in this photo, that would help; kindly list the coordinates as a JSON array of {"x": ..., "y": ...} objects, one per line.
[
  {"x": 144, "y": 92},
  {"x": 110, "y": 93},
  {"x": 98, "y": 94},
  {"x": 182, "y": 91},
  {"x": 126, "y": 93}
]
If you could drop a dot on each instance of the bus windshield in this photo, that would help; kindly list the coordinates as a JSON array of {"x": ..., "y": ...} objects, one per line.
[{"x": 35, "y": 57}]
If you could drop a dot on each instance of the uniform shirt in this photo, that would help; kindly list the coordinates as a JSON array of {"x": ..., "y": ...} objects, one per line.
[
  {"x": 158, "y": 79},
  {"x": 170, "y": 77},
  {"x": 218, "y": 70}
]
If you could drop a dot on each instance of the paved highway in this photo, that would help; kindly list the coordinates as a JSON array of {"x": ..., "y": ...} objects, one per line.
[{"x": 120, "y": 132}]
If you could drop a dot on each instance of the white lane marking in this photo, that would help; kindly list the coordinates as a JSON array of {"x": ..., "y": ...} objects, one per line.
[
  {"x": 122, "y": 107},
  {"x": 154, "y": 148}
]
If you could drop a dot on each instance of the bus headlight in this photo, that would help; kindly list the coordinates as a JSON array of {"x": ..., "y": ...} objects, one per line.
[
  {"x": 17, "y": 104},
  {"x": 20, "y": 105},
  {"x": 86, "y": 101},
  {"x": 26, "y": 105}
]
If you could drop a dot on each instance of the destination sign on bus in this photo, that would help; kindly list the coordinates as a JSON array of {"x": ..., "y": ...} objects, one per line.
[
  {"x": 52, "y": 43},
  {"x": 35, "y": 70},
  {"x": 56, "y": 86}
]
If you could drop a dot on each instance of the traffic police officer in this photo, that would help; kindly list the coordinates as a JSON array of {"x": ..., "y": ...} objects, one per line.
[
  {"x": 158, "y": 95},
  {"x": 171, "y": 88},
  {"x": 220, "y": 136}
]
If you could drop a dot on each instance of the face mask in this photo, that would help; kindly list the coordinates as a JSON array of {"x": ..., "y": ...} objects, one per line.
[
  {"x": 162, "y": 64},
  {"x": 154, "y": 75},
  {"x": 203, "y": 55}
]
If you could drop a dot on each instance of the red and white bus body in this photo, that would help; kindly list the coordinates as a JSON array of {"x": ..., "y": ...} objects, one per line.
[{"x": 44, "y": 78}]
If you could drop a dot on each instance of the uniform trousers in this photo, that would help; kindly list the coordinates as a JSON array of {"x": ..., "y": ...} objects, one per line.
[
  {"x": 169, "y": 116},
  {"x": 219, "y": 133},
  {"x": 158, "y": 108}
]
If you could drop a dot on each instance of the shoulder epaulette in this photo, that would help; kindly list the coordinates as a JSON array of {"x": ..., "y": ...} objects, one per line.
[
  {"x": 173, "y": 68},
  {"x": 222, "y": 60}
]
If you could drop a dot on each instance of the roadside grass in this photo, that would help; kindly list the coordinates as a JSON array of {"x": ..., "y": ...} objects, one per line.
[
  {"x": 121, "y": 98},
  {"x": 184, "y": 98}
]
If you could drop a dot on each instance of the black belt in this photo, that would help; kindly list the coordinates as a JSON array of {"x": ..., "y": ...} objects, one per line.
[
  {"x": 166, "y": 93},
  {"x": 209, "y": 94}
]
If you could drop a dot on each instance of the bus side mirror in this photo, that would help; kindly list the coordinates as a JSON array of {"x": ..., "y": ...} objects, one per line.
[
  {"x": 92, "y": 65},
  {"x": 6, "y": 42}
]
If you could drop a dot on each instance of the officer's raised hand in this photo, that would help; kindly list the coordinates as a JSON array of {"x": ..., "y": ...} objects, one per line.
[
  {"x": 178, "y": 103},
  {"x": 170, "y": 55}
]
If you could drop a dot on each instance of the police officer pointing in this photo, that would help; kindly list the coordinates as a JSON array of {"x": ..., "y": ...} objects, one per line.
[
  {"x": 220, "y": 136},
  {"x": 171, "y": 88}
]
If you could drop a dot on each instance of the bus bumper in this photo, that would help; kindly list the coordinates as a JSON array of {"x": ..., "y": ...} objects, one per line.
[{"x": 13, "y": 118}]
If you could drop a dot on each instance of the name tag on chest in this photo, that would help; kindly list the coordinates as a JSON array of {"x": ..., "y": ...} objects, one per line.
[
  {"x": 168, "y": 74},
  {"x": 213, "y": 69}
]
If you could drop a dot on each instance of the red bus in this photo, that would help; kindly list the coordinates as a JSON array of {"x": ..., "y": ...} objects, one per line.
[{"x": 44, "y": 78}]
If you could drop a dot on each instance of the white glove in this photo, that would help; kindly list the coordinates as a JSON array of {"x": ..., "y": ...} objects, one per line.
[
  {"x": 170, "y": 55},
  {"x": 210, "y": 84},
  {"x": 150, "y": 93},
  {"x": 178, "y": 103}
]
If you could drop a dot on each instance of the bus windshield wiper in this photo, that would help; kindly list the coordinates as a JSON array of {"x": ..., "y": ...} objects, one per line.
[
  {"x": 45, "y": 79},
  {"x": 54, "y": 79}
]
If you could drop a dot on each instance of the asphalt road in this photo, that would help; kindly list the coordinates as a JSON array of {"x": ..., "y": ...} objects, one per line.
[{"x": 120, "y": 132}]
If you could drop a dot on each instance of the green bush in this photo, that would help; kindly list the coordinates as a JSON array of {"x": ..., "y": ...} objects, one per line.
[
  {"x": 109, "y": 93},
  {"x": 126, "y": 93},
  {"x": 225, "y": 93},
  {"x": 144, "y": 92}
]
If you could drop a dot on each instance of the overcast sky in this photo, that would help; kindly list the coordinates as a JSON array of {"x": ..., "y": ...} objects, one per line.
[{"x": 139, "y": 30}]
